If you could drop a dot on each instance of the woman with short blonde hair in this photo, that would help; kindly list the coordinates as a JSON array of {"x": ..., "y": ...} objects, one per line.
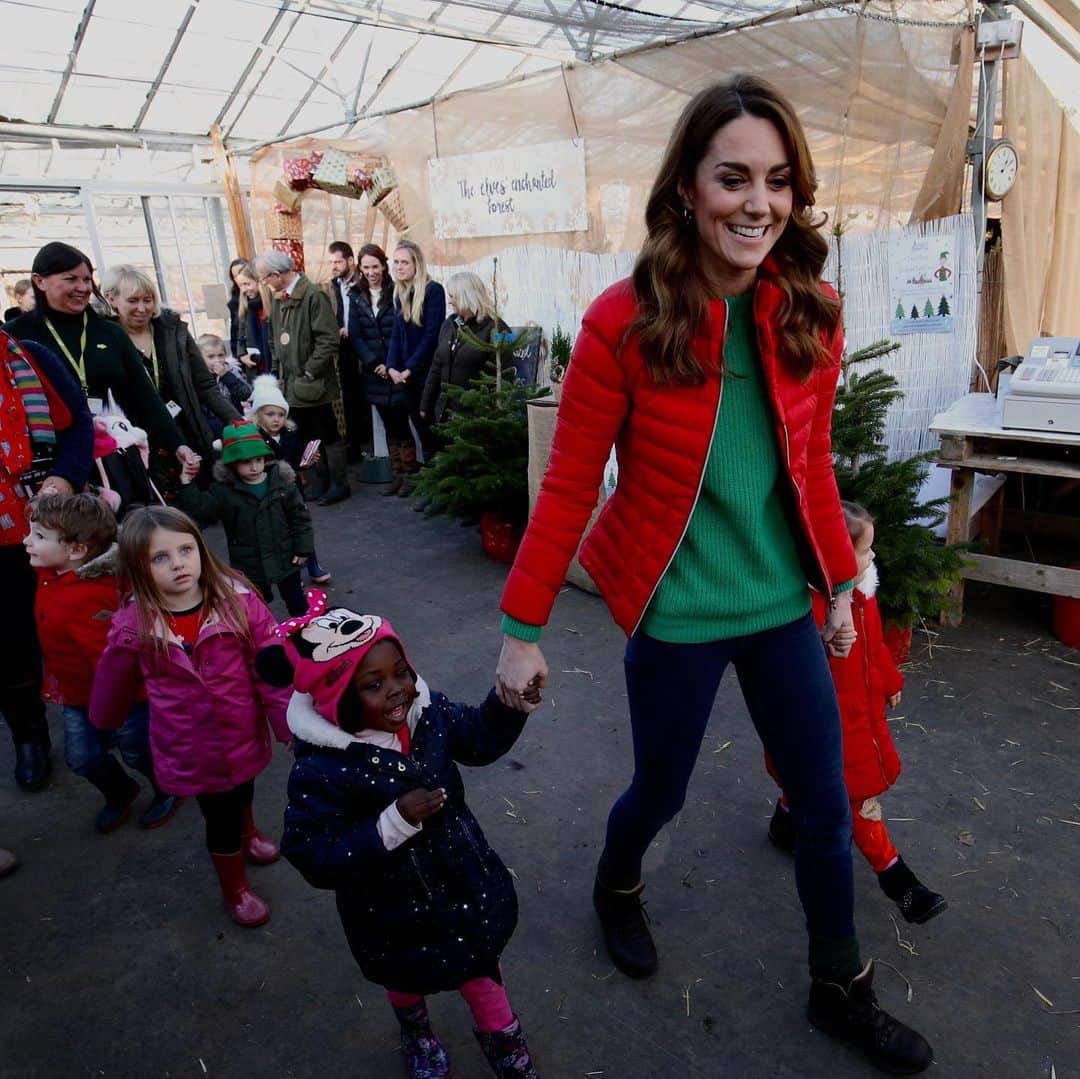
[{"x": 172, "y": 360}]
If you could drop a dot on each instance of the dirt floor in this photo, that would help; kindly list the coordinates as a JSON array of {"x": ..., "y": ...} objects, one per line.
[{"x": 117, "y": 960}]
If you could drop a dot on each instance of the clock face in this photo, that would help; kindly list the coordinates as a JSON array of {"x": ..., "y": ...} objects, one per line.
[{"x": 999, "y": 175}]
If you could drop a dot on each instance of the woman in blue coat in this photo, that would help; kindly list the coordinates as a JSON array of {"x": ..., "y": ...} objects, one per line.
[{"x": 420, "y": 312}]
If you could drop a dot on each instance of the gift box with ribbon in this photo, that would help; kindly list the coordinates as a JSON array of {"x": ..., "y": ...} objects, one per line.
[
  {"x": 332, "y": 175},
  {"x": 299, "y": 170},
  {"x": 294, "y": 249}
]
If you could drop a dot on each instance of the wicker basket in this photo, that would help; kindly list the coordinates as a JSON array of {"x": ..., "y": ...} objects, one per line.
[{"x": 284, "y": 226}]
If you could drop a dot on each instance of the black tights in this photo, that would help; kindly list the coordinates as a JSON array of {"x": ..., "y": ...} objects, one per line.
[{"x": 223, "y": 812}]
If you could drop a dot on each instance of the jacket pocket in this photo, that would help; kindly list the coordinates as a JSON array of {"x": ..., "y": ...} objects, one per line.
[
  {"x": 420, "y": 874},
  {"x": 308, "y": 391}
]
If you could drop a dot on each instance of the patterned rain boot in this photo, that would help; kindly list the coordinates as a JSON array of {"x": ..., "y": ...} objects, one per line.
[
  {"x": 507, "y": 1052},
  {"x": 424, "y": 1055}
]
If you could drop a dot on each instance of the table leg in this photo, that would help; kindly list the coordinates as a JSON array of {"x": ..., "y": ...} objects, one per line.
[{"x": 958, "y": 529}]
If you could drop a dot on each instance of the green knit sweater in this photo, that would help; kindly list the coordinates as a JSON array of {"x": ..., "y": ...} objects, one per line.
[{"x": 737, "y": 569}]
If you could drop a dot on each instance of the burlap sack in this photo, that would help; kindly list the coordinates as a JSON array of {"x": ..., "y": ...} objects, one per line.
[{"x": 542, "y": 414}]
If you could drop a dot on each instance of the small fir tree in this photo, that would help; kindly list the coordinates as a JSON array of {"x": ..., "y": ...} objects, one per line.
[
  {"x": 943, "y": 307},
  {"x": 916, "y": 570}
]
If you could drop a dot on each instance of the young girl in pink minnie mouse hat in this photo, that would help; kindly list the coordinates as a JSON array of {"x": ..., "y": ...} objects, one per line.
[{"x": 377, "y": 812}]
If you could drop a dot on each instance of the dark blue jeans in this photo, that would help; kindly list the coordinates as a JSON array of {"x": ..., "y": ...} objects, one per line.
[
  {"x": 85, "y": 747},
  {"x": 784, "y": 675}
]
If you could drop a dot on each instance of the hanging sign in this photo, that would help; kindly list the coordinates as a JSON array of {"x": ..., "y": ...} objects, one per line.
[
  {"x": 921, "y": 282},
  {"x": 523, "y": 189}
]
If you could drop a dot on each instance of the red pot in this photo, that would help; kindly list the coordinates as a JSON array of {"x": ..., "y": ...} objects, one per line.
[
  {"x": 898, "y": 641},
  {"x": 1067, "y": 618},
  {"x": 499, "y": 537}
]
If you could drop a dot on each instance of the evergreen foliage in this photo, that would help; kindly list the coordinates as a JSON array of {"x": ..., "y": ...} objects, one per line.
[{"x": 916, "y": 570}]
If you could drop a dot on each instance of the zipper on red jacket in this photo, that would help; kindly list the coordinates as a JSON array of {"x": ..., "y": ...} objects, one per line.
[
  {"x": 701, "y": 480},
  {"x": 861, "y": 615}
]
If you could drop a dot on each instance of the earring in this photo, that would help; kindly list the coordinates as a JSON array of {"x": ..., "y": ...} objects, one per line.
[{"x": 687, "y": 214}]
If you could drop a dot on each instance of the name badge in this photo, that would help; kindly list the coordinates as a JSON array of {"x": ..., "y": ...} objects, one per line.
[
  {"x": 96, "y": 405},
  {"x": 173, "y": 409},
  {"x": 285, "y": 337}
]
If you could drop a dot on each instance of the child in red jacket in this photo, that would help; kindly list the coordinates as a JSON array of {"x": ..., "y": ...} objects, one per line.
[
  {"x": 866, "y": 681},
  {"x": 72, "y": 545}
]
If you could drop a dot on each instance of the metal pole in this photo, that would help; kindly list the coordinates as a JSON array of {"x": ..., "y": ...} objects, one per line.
[
  {"x": 92, "y": 227},
  {"x": 183, "y": 267},
  {"x": 155, "y": 251}
]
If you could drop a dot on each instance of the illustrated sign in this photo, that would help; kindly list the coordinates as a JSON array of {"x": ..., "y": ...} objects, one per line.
[
  {"x": 524, "y": 189},
  {"x": 921, "y": 283}
]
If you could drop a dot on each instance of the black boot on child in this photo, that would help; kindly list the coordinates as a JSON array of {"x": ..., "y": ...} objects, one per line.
[
  {"x": 120, "y": 792},
  {"x": 507, "y": 1052},
  {"x": 916, "y": 902},
  {"x": 425, "y": 1056},
  {"x": 626, "y": 930},
  {"x": 853, "y": 1014}
]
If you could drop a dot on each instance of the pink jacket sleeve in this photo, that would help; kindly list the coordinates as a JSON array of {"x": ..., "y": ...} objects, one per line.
[
  {"x": 117, "y": 680},
  {"x": 275, "y": 699}
]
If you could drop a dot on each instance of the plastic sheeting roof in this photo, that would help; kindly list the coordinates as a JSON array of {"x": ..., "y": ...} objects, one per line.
[{"x": 271, "y": 69}]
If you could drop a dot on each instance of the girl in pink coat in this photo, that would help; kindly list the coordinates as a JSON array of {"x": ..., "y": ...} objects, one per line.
[{"x": 190, "y": 634}]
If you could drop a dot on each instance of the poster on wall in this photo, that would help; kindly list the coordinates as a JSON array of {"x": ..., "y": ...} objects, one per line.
[
  {"x": 921, "y": 282},
  {"x": 512, "y": 192}
]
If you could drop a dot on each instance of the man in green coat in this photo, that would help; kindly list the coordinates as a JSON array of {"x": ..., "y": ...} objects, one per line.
[{"x": 306, "y": 341}]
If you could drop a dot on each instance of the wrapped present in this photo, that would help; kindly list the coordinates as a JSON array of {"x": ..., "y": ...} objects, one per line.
[
  {"x": 333, "y": 172},
  {"x": 393, "y": 209},
  {"x": 282, "y": 225},
  {"x": 294, "y": 249},
  {"x": 286, "y": 196},
  {"x": 360, "y": 179},
  {"x": 299, "y": 170},
  {"x": 383, "y": 182}
]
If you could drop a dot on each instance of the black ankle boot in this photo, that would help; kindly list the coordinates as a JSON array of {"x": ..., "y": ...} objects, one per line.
[
  {"x": 782, "y": 829},
  {"x": 120, "y": 792},
  {"x": 853, "y": 1014},
  {"x": 32, "y": 765},
  {"x": 916, "y": 902},
  {"x": 626, "y": 930}
]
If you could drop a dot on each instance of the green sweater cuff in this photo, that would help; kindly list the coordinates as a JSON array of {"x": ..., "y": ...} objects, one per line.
[
  {"x": 847, "y": 586},
  {"x": 521, "y": 630}
]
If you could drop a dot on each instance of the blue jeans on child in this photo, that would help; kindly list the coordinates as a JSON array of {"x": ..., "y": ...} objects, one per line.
[
  {"x": 789, "y": 692},
  {"x": 85, "y": 747}
]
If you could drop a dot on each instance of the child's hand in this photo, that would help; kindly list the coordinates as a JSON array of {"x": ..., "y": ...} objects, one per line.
[
  {"x": 420, "y": 804},
  {"x": 894, "y": 700}
]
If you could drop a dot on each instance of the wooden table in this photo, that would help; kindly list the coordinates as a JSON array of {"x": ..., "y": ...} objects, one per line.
[{"x": 973, "y": 440}]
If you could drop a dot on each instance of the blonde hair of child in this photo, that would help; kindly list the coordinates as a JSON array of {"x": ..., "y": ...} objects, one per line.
[
  {"x": 218, "y": 580},
  {"x": 857, "y": 518},
  {"x": 290, "y": 425}
]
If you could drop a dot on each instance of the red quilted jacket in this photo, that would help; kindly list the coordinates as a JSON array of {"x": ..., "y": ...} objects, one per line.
[{"x": 662, "y": 435}]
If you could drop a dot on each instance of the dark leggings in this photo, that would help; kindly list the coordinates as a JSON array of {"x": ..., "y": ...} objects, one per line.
[
  {"x": 784, "y": 675},
  {"x": 20, "y": 659},
  {"x": 395, "y": 418},
  {"x": 223, "y": 812}
]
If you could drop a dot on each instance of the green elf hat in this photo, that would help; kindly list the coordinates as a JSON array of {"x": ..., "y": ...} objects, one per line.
[{"x": 242, "y": 442}]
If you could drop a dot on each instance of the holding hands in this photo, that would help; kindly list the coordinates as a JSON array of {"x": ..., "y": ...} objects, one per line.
[
  {"x": 521, "y": 674},
  {"x": 838, "y": 633}
]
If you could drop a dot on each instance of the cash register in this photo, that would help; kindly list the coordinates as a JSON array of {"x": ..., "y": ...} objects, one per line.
[{"x": 1044, "y": 392}]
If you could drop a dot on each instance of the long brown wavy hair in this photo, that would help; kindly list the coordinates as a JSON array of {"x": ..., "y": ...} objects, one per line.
[
  {"x": 218, "y": 580},
  {"x": 670, "y": 288}
]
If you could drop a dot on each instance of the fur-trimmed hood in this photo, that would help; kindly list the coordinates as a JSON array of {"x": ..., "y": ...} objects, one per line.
[
  {"x": 107, "y": 564},
  {"x": 867, "y": 584},
  {"x": 224, "y": 474}
]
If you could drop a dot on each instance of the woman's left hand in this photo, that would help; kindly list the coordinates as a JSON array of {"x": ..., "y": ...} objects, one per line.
[
  {"x": 56, "y": 485},
  {"x": 188, "y": 457},
  {"x": 838, "y": 632}
]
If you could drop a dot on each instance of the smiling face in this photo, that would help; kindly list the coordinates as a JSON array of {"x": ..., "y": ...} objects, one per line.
[
  {"x": 67, "y": 292},
  {"x": 134, "y": 306},
  {"x": 741, "y": 199},
  {"x": 372, "y": 269},
  {"x": 385, "y": 688},
  {"x": 247, "y": 285},
  {"x": 404, "y": 265},
  {"x": 176, "y": 568}
]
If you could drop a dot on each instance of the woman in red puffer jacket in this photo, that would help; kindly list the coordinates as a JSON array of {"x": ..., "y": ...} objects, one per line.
[{"x": 713, "y": 371}]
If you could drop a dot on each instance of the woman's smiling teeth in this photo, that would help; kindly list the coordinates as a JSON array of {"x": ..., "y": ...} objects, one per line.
[{"x": 752, "y": 232}]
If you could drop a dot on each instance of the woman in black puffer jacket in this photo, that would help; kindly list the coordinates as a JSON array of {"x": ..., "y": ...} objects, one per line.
[{"x": 371, "y": 322}]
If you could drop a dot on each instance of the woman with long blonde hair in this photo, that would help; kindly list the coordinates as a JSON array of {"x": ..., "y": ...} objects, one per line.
[
  {"x": 190, "y": 635},
  {"x": 713, "y": 369},
  {"x": 420, "y": 308}
]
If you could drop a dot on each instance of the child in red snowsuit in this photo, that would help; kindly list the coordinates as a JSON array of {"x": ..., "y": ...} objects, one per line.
[{"x": 866, "y": 681}]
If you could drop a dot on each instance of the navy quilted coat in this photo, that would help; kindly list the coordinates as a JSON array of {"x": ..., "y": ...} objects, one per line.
[{"x": 439, "y": 909}]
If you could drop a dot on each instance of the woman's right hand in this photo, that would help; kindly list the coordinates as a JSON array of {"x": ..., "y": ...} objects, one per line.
[
  {"x": 380, "y": 371},
  {"x": 521, "y": 672},
  {"x": 419, "y": 804}
]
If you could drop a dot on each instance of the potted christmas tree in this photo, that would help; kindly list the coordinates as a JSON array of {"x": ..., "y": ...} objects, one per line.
[{"x": 917, "y": 570}]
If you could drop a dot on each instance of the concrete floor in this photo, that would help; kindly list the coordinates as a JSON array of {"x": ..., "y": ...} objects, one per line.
[{"x": 117, "y": 960}]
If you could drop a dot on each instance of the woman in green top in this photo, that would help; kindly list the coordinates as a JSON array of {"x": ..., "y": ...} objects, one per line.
[{"x": 98, "y": 352}]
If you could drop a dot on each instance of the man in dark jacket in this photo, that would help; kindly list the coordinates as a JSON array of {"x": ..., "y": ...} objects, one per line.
[{"x": 306, "y": 344}]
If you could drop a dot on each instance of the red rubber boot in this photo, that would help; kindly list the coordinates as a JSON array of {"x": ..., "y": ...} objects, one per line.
[
  {"x": 259, "y": 849},
  {"x": 244, "y": 906}
]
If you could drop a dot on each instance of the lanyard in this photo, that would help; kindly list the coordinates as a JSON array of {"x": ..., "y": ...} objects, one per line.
[
  {"x": 154, "y": 362},
  {"x": 80, "y": 363}
]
